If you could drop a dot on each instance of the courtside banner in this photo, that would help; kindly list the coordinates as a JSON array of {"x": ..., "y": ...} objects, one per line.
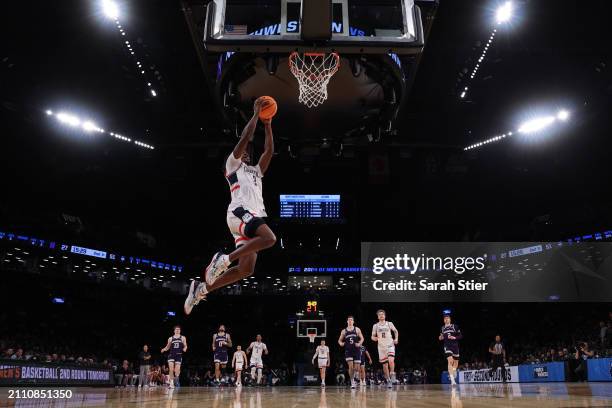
[
  {"x": 14, "y": 372},
  {"x": 566, "y": 271},
  {"x": 599, "y": 369},
  {"x": 547, "y": 372},
  {"x": 488, "y": 376}
]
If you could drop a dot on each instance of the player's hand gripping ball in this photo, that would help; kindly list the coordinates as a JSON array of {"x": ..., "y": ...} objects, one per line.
[{"x": 268, "y": 108}]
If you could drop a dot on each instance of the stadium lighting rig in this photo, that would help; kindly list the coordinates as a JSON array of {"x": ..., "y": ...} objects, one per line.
[
  {"x": 503, "y": 15},
  {"x": 530, "y": 126},
  {"x": 111, "y": 10},
  {"x": 89, "y": 126}
]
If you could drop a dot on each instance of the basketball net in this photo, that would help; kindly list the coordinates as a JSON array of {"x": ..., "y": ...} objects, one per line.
[
  {"x": 313, "y": 72},
  {"x": 311, "y": 337}
]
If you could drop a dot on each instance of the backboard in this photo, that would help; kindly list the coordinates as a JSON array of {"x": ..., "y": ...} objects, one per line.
[
  {"x": 304, "y": 327},
  {"x": 277, "y": 26}
]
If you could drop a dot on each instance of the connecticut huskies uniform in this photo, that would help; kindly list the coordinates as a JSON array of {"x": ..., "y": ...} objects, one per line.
[
  {"x": 220, "y": 353},
  {"x": 175, "y": 355},
  {"x": 322, "y": 356},
  {"x": 247, "y": 207},
  {"x": 451, "y": 347},
  {"x": 239, "y": 361},
  {"x": 352, "y": 352},
  {"x": 386, "y": 348},
  {"x": 257, "y": 349}
]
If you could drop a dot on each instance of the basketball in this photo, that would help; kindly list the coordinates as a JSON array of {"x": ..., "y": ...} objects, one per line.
[{"x": 269, "y": 108}]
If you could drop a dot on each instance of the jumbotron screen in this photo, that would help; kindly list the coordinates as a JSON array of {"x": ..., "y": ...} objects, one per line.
[{"x": 310, "y": 206}]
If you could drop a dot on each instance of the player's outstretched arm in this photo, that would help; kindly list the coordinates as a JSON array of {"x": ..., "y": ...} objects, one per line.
[
  {"x": 265, "y": 350},
  {"x": 341, "y": 338},
  {"x": 234, "y": 359},
  {"x": 248, "y": 350},
  {"x": 167, "y": 345},
  {"x": 248, "y": 131},
  {"x": 315, "y": 355},
  {"x": 228, "y": 343},
  {"x": 266, "y": 156},
  {"x": 214, "y": 345},
  {"x": 184, "y": 344}
]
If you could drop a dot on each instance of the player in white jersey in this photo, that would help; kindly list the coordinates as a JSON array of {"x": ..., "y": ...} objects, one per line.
[
  {"x": 321, "y": 359},
  {"x": 387, "y": 336},
  {"x": 257, "y": 350},
  {"x": 238, "y": 363},
  {"x": 244, "y": 215}
]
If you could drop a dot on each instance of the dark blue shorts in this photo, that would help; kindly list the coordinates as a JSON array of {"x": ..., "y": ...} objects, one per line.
[
  {"x": 175, "y": 358},
  {"x": 451, "y": 350},
  {"x": 352, "y": 354},
  {"x": 220, "y": 357}
]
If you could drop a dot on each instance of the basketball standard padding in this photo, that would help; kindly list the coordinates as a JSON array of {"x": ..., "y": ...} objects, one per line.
[
  {"x": 268, "y": 108},
  {"x": 317, "y": 20}
]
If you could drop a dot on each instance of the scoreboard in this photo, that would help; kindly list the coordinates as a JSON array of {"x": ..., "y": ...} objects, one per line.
[{"x": 310, "y": 206}]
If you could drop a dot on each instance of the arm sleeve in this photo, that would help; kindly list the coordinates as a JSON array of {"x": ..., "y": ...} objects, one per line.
[
  {"x": 458, "y": 334},
  {"x": 232, "y": 164}
]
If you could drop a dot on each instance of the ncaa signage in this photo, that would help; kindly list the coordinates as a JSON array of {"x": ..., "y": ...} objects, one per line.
[{"x": 488, "y": 376}]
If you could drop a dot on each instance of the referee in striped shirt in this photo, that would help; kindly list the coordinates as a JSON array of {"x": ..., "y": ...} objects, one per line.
[{"x": 498, "y": 356}]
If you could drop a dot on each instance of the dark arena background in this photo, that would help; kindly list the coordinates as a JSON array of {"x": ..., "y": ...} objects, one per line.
[{"x": 435, "y": 125}]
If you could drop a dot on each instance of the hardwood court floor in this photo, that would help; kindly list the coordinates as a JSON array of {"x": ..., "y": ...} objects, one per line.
[{"x": 481, "y": 395}]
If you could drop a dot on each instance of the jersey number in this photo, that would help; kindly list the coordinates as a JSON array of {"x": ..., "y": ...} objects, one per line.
[{"x": 383, "y": 335}]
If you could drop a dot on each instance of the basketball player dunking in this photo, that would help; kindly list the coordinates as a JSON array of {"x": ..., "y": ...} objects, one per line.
[
  {"x": 322, "y": 358},
  {"x": 238, "y": 363},
  {"x": 387, "y": 336},
  {"x": 351, "y": 339},
  {"x": 221, "y": 342},
  {"x": 177, "y": 345},
  {"x": 450, "y": 334},
  {"x": 258, "y": 349},
  {"x": 244, "y": 215}
]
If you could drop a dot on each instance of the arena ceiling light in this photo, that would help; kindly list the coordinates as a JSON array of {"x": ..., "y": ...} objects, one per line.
[
  {"x": 89, "y": 126},
  {"x": 530, "y": 126},
  {"x": 504, "y": 13},
  {"x": 110, "y": 9}
]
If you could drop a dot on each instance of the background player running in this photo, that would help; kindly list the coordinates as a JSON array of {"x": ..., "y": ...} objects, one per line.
[
  {"x": 387, "y": 336},
  {"x": 321, "y": 359},
  {"x": 238, "y": 363},
  {"x": 362, "y": 367},
  {"x": 351, "y": 339},
  {"x": 244, "y": 215},
  {"x": 177, "y": 345},
  {"x": 450, "y": 334},
  {"x": 258, "y": 349},
  {"x": 221, "y": 342}
]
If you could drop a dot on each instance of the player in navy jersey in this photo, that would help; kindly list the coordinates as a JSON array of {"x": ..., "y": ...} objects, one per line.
[
  {"x": 450, "y": 334},
  {"x": 351, "y": 339},
  {"x": 221, "y": 341},
  {"x": 177, "y": 345},
  {"x": 245, "y": 214},
  {"x": 365, "y": 355}
]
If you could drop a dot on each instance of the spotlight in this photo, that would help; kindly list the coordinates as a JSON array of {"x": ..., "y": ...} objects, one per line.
[
  {"x": 89, "y": 126},
  {"x": 49, "y": 112},
  {"x": 563, "y": 115},
  {"x": 535, "y": 125},
  {"x": 110, "y": 9},
  {"x": 153, "y": 92},
  {"x": 504, "y": 13},
  {"x": 68, "y": 119}
]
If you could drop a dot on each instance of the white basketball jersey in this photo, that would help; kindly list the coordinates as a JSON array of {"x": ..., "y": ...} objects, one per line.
[
  {"x": 257, "y": 349},
  {"x": 383, "y": 332},
  {"x": 239, "y": 357},
  {"x": 322, "y": 352},
  {"x": 245, "y": 186}
]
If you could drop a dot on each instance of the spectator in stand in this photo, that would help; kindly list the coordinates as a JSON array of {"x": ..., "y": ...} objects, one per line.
[
  {"x": 145, "y": 364},
  {"x": 603, "y": 335},
  {"x": 123, "y": 374},
  {"x": 582, "y": 354},
  {"x": 18, "y": 355},
  {"x": 340, "y": 374},
  {"x": 208, "y": 378}
]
